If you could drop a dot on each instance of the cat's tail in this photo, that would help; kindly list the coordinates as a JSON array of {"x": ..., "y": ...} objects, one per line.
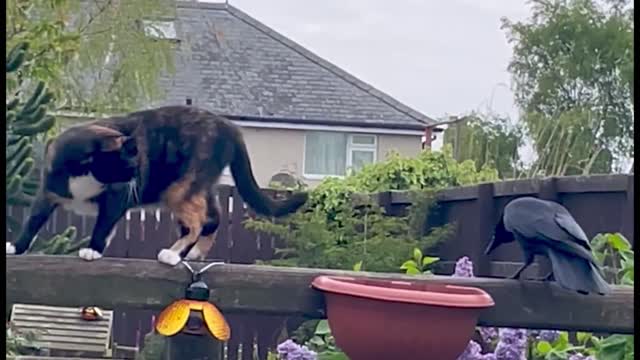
[{"x": 250, "y": 191}]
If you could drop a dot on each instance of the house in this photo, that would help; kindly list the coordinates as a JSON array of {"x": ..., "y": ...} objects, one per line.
[{"x": 299, "y": 113}]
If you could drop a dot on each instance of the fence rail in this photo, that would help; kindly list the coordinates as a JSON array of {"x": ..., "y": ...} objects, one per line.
[{"x": 128, "y": 283}]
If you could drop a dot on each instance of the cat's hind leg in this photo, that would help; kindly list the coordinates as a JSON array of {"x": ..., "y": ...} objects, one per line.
[
  {"x": 201, "y": 248},
  {"x": 191, "y": 212}
]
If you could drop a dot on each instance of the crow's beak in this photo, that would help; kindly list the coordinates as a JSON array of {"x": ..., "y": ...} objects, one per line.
[{"x": 492, "y": 245}]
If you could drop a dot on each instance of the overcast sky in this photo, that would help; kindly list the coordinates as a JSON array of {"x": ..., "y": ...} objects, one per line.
[{"x": 439, "y": 57}]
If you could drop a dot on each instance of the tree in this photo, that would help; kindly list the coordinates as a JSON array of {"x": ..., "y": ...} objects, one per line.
[
  {"x": 94, "y": 55},
  {"x": 487, "y": 140},
  {"x": 572, "y": 71}
]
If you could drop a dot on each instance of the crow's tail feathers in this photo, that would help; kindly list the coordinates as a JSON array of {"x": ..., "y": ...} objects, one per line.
[{"x": 578, "y": 274}]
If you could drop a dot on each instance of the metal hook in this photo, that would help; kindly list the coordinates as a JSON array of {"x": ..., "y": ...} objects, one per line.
[{"x": 195, "y": 276}]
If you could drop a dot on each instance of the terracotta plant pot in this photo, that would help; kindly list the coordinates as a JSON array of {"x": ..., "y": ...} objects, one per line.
[{"x": 393, "y": 320}]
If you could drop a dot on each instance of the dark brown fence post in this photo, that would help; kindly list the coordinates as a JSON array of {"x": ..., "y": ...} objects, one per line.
[
  {"x": 485, "y": 224},
  {"x": 193, "y": 347},
  {"x": 547, "y": 190},
  {"x": 627, "y": 214},
  {"x": 384, "y": 201}
]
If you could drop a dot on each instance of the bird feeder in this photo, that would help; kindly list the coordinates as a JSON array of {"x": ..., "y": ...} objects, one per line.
[{"x": 194, "y": 314}]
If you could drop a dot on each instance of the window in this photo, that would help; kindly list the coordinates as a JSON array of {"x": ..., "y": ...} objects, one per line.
[
  {"x": 334, "y": 153},
  {"x": 165, "y": 30}
]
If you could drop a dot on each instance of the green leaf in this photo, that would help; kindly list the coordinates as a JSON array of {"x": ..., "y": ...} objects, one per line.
[
  {"x": 583, "y": 337},
  {"x": 333, "y": 355},
  {"x": 562, "y": 342},
  {"x": 543, "y": 347},
  {"x": 627, "y": 279},
  {"x": 323, "y": 328},
  {"x": 357, "y": 266},
  {"x": 417, "y": 255},
  {"x": 627, "y": 255},
  {"x": 409, "y": 264},
  {"x": 412, "y": 271},
  {"x": 618, "y": 242},
  {"x": 613, "y": 347},
  {"x": 428, "y": 260},
  {"x": 316, "y": 341}
]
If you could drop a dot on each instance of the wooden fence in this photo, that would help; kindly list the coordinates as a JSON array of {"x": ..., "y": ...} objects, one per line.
[
  {"x": 261, "y": 291},
  {"x": 599, "y": 204}
]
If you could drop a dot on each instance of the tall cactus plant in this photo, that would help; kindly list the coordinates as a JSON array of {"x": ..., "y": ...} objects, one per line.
[{"x": 28, "y": 121}]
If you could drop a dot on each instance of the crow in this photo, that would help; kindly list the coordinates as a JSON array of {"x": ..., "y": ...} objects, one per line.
[{"x": 547, "y": 228}]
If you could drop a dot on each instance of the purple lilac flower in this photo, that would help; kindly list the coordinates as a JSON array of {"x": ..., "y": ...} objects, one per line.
[
  {"x": 512, "y": 344},
  {"x": 548, "y": 335},
  {"x": 488, "y": 334},
  {"x": 289, "y": 350},
  {"x": 464, "y": 268},
  {"x": 473, "y": 352}
]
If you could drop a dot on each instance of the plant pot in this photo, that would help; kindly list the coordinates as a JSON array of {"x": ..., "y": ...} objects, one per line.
[{"x": 394, "y": 320}]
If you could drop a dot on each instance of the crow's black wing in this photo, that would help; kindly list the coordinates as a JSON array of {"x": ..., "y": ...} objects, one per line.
[
  {"x": 564, "y": 219},
  {"x": 536, "y": 221}
]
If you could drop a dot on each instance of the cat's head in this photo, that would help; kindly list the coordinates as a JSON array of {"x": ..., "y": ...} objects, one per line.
[{"x": 106, "y": 154}]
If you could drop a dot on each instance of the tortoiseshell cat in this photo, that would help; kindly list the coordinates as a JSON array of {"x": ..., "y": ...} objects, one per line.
[{"x": 172, "y": 155}]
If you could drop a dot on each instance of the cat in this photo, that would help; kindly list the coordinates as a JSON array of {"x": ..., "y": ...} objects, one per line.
[{"x": 171, "y": 155}]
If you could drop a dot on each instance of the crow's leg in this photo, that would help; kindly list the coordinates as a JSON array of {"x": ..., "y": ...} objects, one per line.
[
  {"x": 528, "y": 260},
  {"x": 548, "y": 277}
]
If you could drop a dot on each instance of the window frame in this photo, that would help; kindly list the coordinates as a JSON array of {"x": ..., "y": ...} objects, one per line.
[
  {"x": 153, "y": 28},
  {"x": 351, "y": 146}
]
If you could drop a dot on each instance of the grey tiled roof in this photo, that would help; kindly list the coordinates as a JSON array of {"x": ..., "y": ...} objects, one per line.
[{"x": 231, "y": 63}]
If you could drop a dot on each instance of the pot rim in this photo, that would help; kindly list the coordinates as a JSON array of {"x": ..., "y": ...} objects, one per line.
[{"x": 444, "y": 295}]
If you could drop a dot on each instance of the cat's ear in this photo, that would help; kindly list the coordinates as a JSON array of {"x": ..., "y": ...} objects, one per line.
[
  {"x": 107, "y": 143},
  {"x": 107, "y": 139}
]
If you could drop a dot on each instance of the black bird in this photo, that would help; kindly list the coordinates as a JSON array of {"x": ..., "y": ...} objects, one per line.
[{"x": 547, "y": 228}]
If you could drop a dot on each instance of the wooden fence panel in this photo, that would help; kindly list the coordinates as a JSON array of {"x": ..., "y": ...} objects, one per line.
[{"x": 599, "y": 204}]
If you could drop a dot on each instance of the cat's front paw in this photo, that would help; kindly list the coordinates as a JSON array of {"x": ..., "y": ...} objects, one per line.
[
  {"x": 11, "y": 249},
  {"x": 89, "y": 254},
  {"x": 169, "y": 257}
]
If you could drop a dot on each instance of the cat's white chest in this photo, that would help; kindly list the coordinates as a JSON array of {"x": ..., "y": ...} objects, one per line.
[{"x": 83, "y": 188}]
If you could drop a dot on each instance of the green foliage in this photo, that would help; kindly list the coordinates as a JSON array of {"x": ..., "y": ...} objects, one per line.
[
  {"x": 376, "y": 240},
  {"x": 64, "y": 243},
  {"x": 615, "y": 254},
  {"x": 430, "y": 170},
  {"x": 95, "y": 56},
  {"x": 561, "y": 348},
  {"x": 342, "y": 225},
  {"x": 20, "y": 342},
  {"x": 613, "y": 347},
  {"x": 419, "y": 264},
  {"x": 572, "y": 69},
  {"x": 323, "y": 343},
  {"x": 488, "y": 140},
  {"x": 27, "y": 122}
]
